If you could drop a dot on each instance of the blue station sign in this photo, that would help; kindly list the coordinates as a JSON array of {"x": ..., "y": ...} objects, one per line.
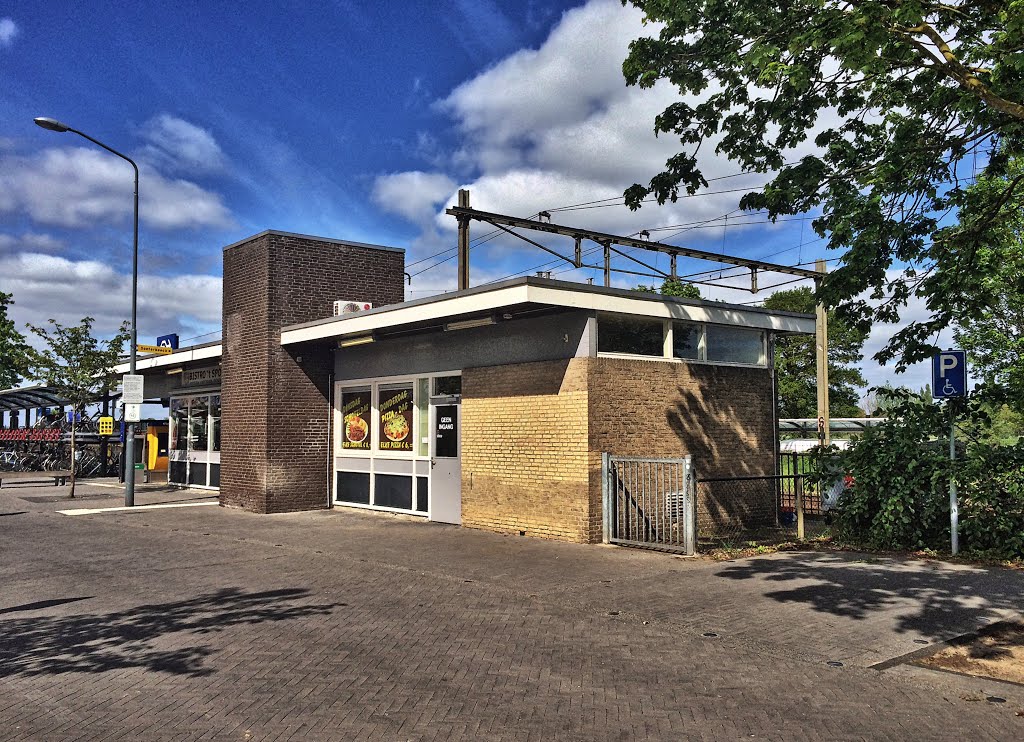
[
  {"x": 949, "y": 374},
  {"x": 168, "y": 341}
]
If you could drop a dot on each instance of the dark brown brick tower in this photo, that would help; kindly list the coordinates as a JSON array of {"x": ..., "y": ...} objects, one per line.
[{"x": 276, "y": 410}]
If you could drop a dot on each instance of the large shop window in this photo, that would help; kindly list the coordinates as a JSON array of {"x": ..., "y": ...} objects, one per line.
[
  {"x": 198, "y": 424},
  {"x": 178, "y": 420},
  {"x": 395, "y": 410},
  {"x": 215, "y": 422},
  {"x": 686, "y": 340},
  {"x": 355, "y": 428},
  {"x": 382, "y": 444}
]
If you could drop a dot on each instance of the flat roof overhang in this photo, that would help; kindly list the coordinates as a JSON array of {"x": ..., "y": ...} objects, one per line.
[
  {"x": 537, "y": 294},
  {"x": 204, "y": 352}
]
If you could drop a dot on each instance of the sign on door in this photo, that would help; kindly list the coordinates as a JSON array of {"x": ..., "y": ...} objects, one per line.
[{"x": 447, "y": 444}]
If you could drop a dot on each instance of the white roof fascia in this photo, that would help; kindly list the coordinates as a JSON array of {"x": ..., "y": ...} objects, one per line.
[
  {"x": 358, "y": 323},
  {"x": 384, "y": 317},
  {"x": 173, "y": 359},
  {"x": 719, "y": 315}
]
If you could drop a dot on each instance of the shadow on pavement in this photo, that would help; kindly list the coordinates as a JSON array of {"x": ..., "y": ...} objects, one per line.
[
  {"x": 94, "y": 643},
  {"x": 923, "y": 597},
  {"x": 41, "y": 604}
]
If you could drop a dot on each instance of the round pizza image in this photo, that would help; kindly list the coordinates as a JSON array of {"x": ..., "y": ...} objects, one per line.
[
  {"x": 397, "y": 428},
  {"x": 356, "y": 428}
]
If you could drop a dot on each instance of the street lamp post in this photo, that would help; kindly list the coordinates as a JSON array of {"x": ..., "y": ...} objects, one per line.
[{"x": 129, "y": 441}]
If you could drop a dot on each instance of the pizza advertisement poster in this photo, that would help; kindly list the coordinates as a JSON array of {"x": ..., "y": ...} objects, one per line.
[
  {"x": 395, "y": 419},
  {"x": 355, "y": 420}
]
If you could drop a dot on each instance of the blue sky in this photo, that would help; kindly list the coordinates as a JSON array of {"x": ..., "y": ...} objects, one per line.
[{"x": 347, "y": 119}]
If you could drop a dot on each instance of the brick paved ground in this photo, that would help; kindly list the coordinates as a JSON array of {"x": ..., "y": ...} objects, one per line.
[{"x": 206, "y": 623}]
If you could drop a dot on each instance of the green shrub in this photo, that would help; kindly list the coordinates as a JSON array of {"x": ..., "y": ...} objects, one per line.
[
  {"x": 899, "y": 497},
  {"x": 991, "y": 480}
]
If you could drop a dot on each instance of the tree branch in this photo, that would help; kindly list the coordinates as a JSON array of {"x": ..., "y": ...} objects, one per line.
[{"x": 957, "y": 70}]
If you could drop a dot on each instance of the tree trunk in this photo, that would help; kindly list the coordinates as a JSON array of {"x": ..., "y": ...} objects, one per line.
[{"x": 74, "y": 423}]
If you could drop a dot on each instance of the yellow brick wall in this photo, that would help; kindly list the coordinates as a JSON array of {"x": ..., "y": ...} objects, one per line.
[
  {"x": 723, "y": 416},
  {"x": 525, "y": 465},
  {"x": 533, "y": 434}
]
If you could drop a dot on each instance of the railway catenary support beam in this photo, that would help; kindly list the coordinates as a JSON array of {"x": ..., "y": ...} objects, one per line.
[
  {"x": 603, "y": 237},
  {"x": 464, "y": 214}
]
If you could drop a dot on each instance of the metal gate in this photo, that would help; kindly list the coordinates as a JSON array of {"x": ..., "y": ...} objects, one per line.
[{"x": 649, "y": 503}]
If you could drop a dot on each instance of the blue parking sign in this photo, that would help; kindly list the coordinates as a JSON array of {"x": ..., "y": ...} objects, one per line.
[{"x": 949, "y": 374}]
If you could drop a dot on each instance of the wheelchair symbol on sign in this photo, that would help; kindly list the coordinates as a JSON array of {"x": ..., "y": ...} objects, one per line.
[{"x": 949, "y": 374}]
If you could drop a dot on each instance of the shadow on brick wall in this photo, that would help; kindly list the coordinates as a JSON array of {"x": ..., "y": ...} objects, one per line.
[
  {"x": 726, "y": 428},
  {"x": 162, "y": 637}
]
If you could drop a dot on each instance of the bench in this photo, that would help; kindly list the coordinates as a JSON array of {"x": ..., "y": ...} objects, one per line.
[{"x": 59, "y": 478}]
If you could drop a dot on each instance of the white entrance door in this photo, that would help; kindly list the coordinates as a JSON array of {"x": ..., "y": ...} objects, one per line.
[{"x": 445, "y": 464}]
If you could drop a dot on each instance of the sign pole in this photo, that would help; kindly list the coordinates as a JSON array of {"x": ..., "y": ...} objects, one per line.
[
  {"x": 949, "y": 380},
  {"x": 954, "y": 506}
]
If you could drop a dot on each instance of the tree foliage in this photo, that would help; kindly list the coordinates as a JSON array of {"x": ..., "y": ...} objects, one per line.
[
  {"x": 13, "y": 349},
  {"x": 994, "y": 336},
  {"x": 672, "y": 287},
  {"x": 873, "y": 112},
  {"x": 76, "y": 365},
  {"x": 796, "y": 368}
]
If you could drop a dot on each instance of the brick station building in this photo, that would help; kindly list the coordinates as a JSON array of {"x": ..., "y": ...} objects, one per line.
[{"x": 488, "y": 407}]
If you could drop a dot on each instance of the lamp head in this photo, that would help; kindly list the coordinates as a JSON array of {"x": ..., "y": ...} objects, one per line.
[{"x": 51, "y": 124}]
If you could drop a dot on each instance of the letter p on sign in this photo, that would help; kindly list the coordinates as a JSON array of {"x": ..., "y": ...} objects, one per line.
[{"x": 949, "y": 374}]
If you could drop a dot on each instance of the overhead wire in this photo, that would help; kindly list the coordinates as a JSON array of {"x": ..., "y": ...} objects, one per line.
[
  {"x": 570, "y": 207},
  {"x": 205, "y": 334},
  {"x": 597, "y": 203}
]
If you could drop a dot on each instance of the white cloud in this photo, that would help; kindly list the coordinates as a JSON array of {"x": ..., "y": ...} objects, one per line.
[
  {"x": 557, "y": 125},
  {"x": 78, "y": 187},
  {"x": 30, "y": 241},
  {"x": 47, "y": 286},
  {"x": 9, "y": 31},
  {"x": 413, "y": 195},
  {"x": 571, "y": 76},
  {"x": 176, "y": 145},
  {"x": 915, "y": 376}
]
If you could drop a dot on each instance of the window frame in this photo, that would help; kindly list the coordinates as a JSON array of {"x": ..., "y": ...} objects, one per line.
[
  {"x": 373, "y": 454},
  {"x": 668, "y": 346}
]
